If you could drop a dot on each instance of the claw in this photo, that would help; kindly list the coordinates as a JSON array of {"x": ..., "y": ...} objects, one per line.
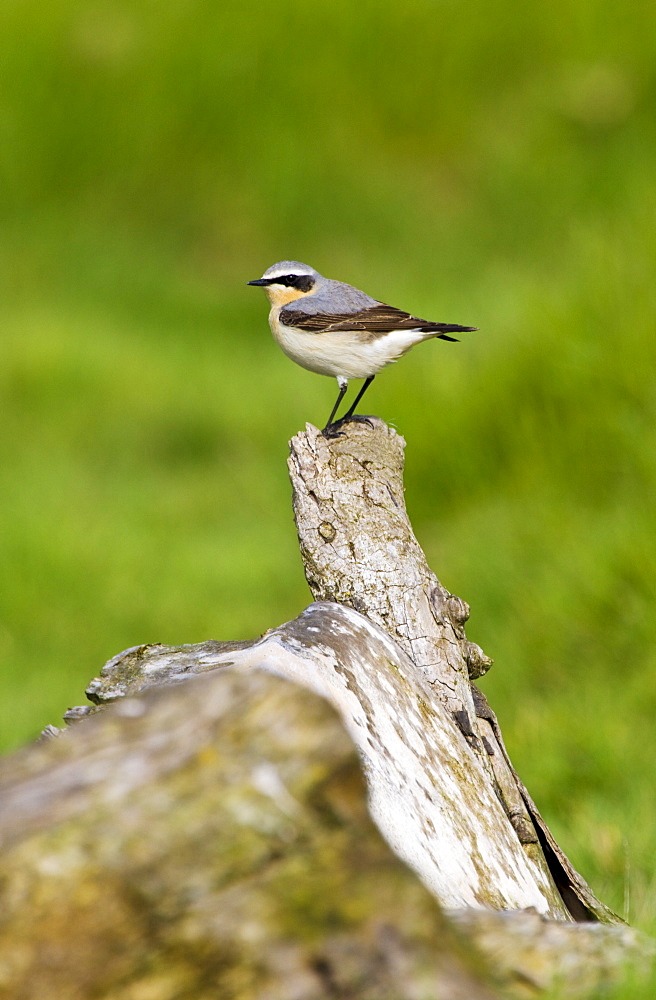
[
  {"x": 354, "y": 418},
  {"x": 361, "y": 420},
  {"x": 330, "y": 431}
]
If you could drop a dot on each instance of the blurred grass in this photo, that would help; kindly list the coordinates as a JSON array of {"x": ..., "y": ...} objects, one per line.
[{"x": 491, "y": 165}]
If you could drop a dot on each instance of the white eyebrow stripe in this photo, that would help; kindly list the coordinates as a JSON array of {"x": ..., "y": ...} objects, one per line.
[{"x": 284, "y": 273}]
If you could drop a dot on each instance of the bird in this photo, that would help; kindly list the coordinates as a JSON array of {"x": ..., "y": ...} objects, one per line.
[{"x": 332, "y": 328}]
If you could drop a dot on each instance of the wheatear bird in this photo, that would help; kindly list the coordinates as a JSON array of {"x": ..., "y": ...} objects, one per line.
[{"x": 335, "y": 329}]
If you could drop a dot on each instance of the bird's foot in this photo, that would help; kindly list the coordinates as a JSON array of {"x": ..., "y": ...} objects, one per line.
[
  {"x": 334, "y": 430},
  {"x": 331, "y": 431}
]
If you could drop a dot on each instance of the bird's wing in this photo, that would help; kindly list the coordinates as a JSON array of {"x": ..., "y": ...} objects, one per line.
[{"x": 375, "y": 320}]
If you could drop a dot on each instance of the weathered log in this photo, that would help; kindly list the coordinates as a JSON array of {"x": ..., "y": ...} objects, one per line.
[{"x": 146, "y": 807}]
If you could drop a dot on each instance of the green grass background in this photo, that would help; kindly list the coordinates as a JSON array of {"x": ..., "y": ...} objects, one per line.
[{"x": 488, "y": 164}]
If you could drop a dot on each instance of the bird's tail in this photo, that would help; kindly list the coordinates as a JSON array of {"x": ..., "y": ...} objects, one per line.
[{"x": 442, "y": 329}]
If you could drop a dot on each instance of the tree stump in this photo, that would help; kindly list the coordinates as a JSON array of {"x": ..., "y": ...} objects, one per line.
[{"x": 358, "y": 548}]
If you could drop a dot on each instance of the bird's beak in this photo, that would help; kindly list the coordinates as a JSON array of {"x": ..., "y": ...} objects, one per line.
[{"x": 259, "y": 281}]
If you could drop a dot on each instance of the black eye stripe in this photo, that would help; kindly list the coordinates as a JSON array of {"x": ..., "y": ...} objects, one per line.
[{"x": 304, "y": 282}]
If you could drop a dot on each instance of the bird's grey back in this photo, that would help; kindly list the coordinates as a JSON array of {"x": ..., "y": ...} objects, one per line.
[{"x": 333, "y": 298}]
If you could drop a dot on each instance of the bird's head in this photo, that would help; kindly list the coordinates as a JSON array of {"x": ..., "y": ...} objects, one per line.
[{"x": 288, "y": 280}]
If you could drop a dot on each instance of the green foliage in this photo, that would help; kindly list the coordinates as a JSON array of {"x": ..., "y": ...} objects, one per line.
[{"x": 476, "y": 163}]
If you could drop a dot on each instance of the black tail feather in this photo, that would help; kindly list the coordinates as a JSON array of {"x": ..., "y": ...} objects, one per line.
[{"x": 452, "y": 328}]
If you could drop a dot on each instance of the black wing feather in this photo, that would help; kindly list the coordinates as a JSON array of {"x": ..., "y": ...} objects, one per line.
[{"x": 376, "y": 319}]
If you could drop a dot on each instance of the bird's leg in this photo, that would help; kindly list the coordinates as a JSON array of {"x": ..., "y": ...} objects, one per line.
[
  {"x": 331, "y": 429},
  {"x": 351, "y": 416},
  {"x": 328, "y": 429},
  {"x": 350, "y": 413}
]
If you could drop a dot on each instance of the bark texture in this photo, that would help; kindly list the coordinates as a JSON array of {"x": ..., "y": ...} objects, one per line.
[{"x": 358, "y": 548}]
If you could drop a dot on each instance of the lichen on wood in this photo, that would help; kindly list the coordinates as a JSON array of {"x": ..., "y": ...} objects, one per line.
[{"x": 212, "y": 841}]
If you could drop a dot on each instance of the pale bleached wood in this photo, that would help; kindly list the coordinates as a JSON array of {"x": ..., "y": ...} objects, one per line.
[
  {"x": 430, "y": 791},
  {"x": 359, "y": 548}
]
